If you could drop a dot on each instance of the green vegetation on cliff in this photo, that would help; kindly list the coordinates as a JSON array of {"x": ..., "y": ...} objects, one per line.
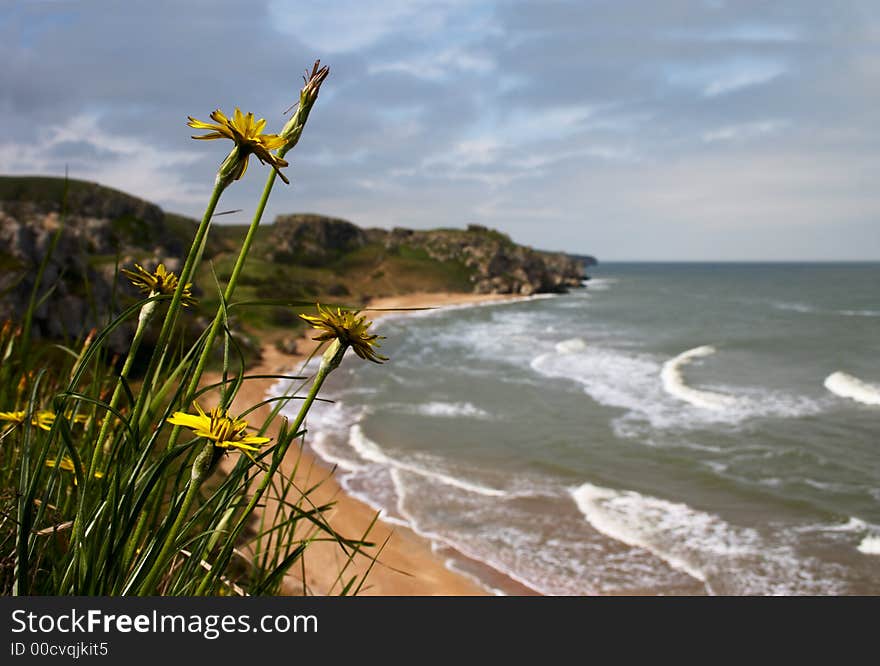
[{"x": 299, "y": 257}]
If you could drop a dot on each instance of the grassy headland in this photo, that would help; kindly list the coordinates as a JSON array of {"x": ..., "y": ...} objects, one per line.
[{"x": 302, "y": 257}]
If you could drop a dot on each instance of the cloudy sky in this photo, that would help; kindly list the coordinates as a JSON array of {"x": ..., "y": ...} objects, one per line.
[{"x": 650, "y": 130}]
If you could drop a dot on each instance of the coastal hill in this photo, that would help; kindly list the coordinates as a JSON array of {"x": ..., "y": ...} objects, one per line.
[{"x": 299, "y": 257}]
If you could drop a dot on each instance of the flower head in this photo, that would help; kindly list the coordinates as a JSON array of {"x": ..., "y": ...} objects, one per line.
[
  {"x": 42, "y": 419},
  {"x": 160, "y": 281},
  {"x": 293, "y": 128},
  {"x": 225, "y": 431},
  {"x": 347, "y": 327},
  {"x": 66, "y": 463},
  {"x": 248, "y": 137},
  {"x": 16, "y": 418}
]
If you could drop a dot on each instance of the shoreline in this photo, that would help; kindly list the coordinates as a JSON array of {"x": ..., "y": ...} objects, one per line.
[{"x": 409, "y": 564}]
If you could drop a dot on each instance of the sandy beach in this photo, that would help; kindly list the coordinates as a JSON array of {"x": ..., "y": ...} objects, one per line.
[{"x": 407, "y": 564}]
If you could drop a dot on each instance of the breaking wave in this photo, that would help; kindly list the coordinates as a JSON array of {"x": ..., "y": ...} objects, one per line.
[
  {"x": 673, "y": 382},
  {"x": 847, "y": 386}
]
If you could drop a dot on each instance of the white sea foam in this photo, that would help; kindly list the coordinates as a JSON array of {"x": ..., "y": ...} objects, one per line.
[
  {"x": 370, "y": 450},
  {"x": 441, "y": 309},
  {"x": 600, "y": 284},
  {"x": 673, "y": 382},
  {"x": 450, "y": 410},
  {"x": 606, "y": 510},
  {"x": 847, "y": 386},
  {"x": 852, "y": 525},
  {"x": 794, "y": 307},
  {"x": 701, "y": 544},
  {"x": 860, "y": 313},
  {"x": 327, "y": 425},
  {"x": 549, "y": 547},
  {"x": 571, "y": 346},
  {"x": 870, "y": 545},
  {"x": 631, "y": 381}
]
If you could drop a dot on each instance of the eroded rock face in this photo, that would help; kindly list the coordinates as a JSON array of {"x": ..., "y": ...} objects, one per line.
[
  {"x": 314, "y": 239},
  {"x": 103, "y": 228},
  {"x": 78, "y": 280},
  {"x": 497, "y": 264}
]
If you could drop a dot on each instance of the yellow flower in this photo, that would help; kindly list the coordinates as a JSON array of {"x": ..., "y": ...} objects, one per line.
[
  {"x": 66, "y": 463},
  {"x": 248, "y": 138},
  {"x": 42, "y": 419},
  {"x": 16, "y": 418},
  {"x": 347, "y": 327},
  {"x": 160, "y": 281},
  {"x": 219, "y": 427}
]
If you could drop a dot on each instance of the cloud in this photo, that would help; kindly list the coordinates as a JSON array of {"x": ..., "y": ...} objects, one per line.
[
  {"x": 351, "y": 25},
  {"x": 636, "y": 130},
  {"x": 744, "y": 131},
  {"x": 719, "y": 78},
  {"x": 122, "y": 162},
  {"x": 443, "y": 65}
]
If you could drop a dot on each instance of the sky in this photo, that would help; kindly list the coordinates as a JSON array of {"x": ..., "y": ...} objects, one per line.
[{"x": 660, "y": 130}]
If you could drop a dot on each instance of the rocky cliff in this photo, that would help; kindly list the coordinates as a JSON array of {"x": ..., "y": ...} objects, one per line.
[
  {"x": 99, "y": 226},
  {"x": 493, "y": 262},
  {"x": 299, "y": 257},
  {"x": 497, "y": 264},
  {"x": 313, "y": 240}
]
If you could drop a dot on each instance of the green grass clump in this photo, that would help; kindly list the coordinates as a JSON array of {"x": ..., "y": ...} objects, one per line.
[{"x": 109, "y": 485}]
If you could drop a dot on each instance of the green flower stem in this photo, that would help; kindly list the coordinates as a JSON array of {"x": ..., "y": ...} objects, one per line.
[
  {"x": 200, "y": 469},
  {"x": 230, "y": 289},
  {"x": 330, "y": 361},
  {"x": 227, "y": 296},
  {"x": 292, "y": 131},
  {"x": 186, "y": 273},
  {"x": 144, "y": 317}
]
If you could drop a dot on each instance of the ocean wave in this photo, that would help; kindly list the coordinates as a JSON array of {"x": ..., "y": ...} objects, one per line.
[
  {"x": 870, "y": 545},
  {"x": 852, "y": 525},
  {"x": 450, "y": 410},
  {"x": 631, "y": 381},
  {"x": 868, "y": 534},
  {"x": 503, "y": 336},
  {"x": 794, "y": 307},
  {"x": 571, "y": 346},
  {"x": 539, "y": 540},
  {"x": 703, "y": 545},
  {"x": 847, "y": 386},
  {"x": 369, "y": 450},
  {"x": 328, "y": 425},
  {"x": 394, "y": 317},
  {"x": 440, "y": 409},
  {"x": 673, "y": 382},
  {"x": 859, "y": 313},
  {"x": 600, "y": 284}
]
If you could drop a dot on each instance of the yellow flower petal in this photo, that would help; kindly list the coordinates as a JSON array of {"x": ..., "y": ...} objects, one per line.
[
  {"x": 225, "y": 431},
  {"x": 247, "y": 133},
  {"x": 347, "y": 327}
]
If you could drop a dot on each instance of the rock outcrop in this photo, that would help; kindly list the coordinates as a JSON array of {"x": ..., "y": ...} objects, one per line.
[
  {"x": 100, "y": 225},
  {"x": 313, "y": 240},
  {"x": 497, "y": 264},
  {"x": 102, "y": 229}
]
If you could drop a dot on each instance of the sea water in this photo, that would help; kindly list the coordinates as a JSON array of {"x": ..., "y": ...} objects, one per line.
[{"x": 667, "y": 429}]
